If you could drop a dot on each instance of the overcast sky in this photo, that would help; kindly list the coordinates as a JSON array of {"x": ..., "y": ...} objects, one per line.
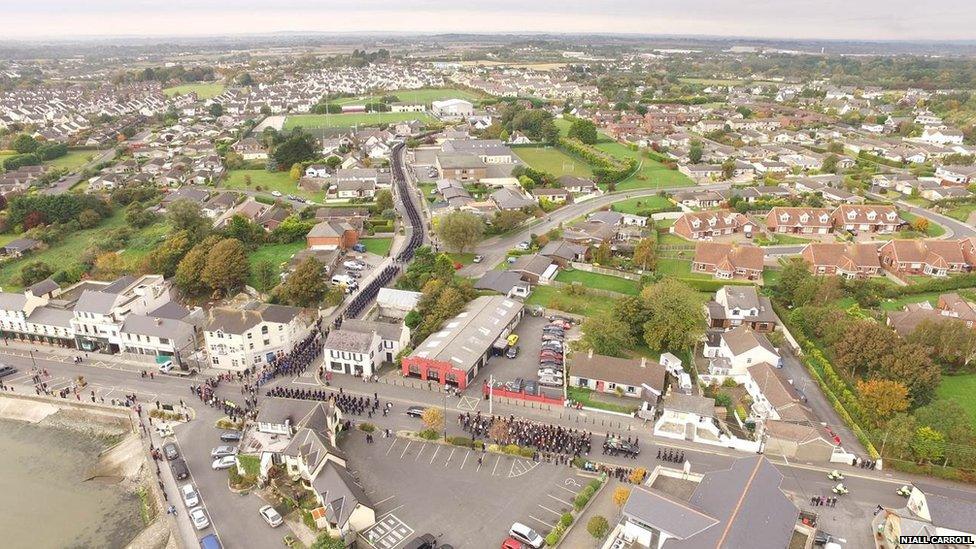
[{"x": 845, "y": 19}]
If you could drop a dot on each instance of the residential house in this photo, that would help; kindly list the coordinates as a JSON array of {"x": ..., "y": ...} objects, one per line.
[
  {"x": 246, "y": 334},
  {"x": 563, "y": 253},
  {"x": 509, "y": 199},
  {"x": 736, "y": 306},
  {"x": 732, "y": 352},
  {"x": 802, "y": 220},
  {"x": 250, "y": 149},
  {"x": 331, "y": 235},
  {"x": 708, "y": 224},
  {"x": 637, "y": 378},
  {"x": 961, "y": 175},
  {"x": 929, "y": 511},
  {"x": 728, "y": 261},
  {"x": 929, "y": 257},
  {"x": 535, "y": 268},
  {"x": 577, "y": 185},
  {"x": 866, "y": 218},
  {"x": 847, "y": 260},
  {"x": 507, "y": 283},
  {"x": 462, "y": 167}
]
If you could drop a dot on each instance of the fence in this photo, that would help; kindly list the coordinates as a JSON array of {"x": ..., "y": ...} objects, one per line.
[{"x": 604, "y": 271}]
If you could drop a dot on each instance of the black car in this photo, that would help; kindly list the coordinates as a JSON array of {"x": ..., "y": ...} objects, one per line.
[
  {"x": 617, "y": 446},
  {"x": 180, "y": 470},
  {"x": 171, "y": 451},
  {"x": 426, "y": 541},
  {"x": 6, "y": 370},
  {"x": 822, "y": 538},
  {"x": 415, "y": 411},
  {"x": 230, "y": 436}
]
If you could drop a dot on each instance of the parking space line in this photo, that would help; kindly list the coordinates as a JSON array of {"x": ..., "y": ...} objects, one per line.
[
  {"x": 437, "y": 449},
  {"x": 391, "y": 446},
  {"x": 512, "y": 468},
  {"x": 567, "y": 489},
  {"x": 382, "y": 501},
  {"x": 560, "y": 500},
  {"x": 496, "y": 465},
  {"x": 557, "y": 513},
  {"x": 465, "y": 460},
  {"x": 422, "y": 448},
  {"x": 405, "y": 448},
  {"x": 540, "y": 521},
  {"x": 448, "y": 462}
]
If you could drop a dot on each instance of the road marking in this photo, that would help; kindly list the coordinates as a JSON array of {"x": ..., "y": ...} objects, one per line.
[
  {"x": 564, "y": 502},
  {"x": 465, "y": 460},
  {"x": 567, "y": 489},
  {"x": 540, "y": 521},
  {"x": 496, "y": 465},
  {"x": 422, "y": 448},
  {"x": 557, "y": 513},
  {"x": 448, "y": 462},
  {"x": 512, "y": 468},
  {"x": 405, "y": 448},
  {"x": 572, "y": 482},
  {"x": 391, "y": 446},
  {"x": 382, "y": 501},
  {"x": 469, "y": 404},
  {"x": 436, "y": 449}
]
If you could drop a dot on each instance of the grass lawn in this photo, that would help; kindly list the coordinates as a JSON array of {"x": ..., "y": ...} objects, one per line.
[
  {"x": 73, "y": 160},
  {"x": 960, "y": 212},
  {"x": 553, "y": 161},
  {"x": 463, "y": 259},
  {"x": 427, "y": 95},
  {"x": 599, "y": 281},
  {"x": 960, "y": 389},
  {"x": 771, "y": 277},
  {"x": 145, "y": 241},
  {"x": 585, "y": 397},
  {"x": 651, "y": 174},
  {"x": 269, "y": 181},
  {"x": 668, "y": 239},
  {"x": 204, "y": 90},
  {"x": 933, "y": 230},
  {"x": 645, "y": 204},
  {"x": 679, "y": 268},
  {"x": 312, "y": 121},
  {"x": 586, "y": 305},
  {"x": 776, "y": 239},
  {"x": 277, "y": 254},
  {"x": 378, "y": 246},
  {"x": 899, "y": 304}
]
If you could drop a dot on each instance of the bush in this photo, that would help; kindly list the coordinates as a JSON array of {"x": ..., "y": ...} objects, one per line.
[
  {"x": 526, "y": 452},
  {"x": 512, "y": 449},
  {"x": 566, "y": 520},
  {"x": 429, "y": 434},
  {"x": 367, "y": 427},
  {"x": 552, "y": 539},
  {"x": 583, "y": 497},
  {"x": 460, "y": 441},
  {"x": 598, "y": 527},
  {"x": 494, "y": 448},
  {"x": 595, "y": 484}
]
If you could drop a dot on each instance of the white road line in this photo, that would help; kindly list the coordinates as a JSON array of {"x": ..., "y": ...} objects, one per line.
[
  {"x": 479, "y": 466},
  {"x": 496, "y": 465},
  {"x": 540, "y": 521},
  {"x": 382, "y": 501},
  {"x": 437, "y": 449},
  {"x": 448, "y": 462},
  {"x": 391, "y": 446},
  {"x": 422, "y": 448},
  {"x": 465, "y": 460},
  {"x": 512, "y": 468},
  {"x": 557, "y": 513},
  {"x": 568, "y": 490},
  {"x": 560, "y": 500},
  {"x": 390, "y": 512},
  {"x": 405, "y": 449}
]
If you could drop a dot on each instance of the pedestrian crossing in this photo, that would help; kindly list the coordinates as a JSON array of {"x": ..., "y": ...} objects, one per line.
[
  {"x": 102, "y": 392},
  {"x": 456, "y": 457}
]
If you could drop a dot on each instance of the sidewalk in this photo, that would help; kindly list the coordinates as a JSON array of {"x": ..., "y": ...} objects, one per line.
[{"x": 601, "y": 505}]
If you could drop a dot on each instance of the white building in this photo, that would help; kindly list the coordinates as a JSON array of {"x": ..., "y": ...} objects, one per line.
[
  {"x": 245, "y": 335},
  {"x": 100, "y": 313},
  {"x": 734, "y": 351},
  {"x": 452, "y": 108}
]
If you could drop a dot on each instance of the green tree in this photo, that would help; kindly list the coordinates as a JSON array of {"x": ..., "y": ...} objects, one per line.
[
  {"x": 598, "y": 527},
  {"x": 296, "y": 172},
  {"x": 266, "y": 275},
  {"x": 34, "y": 272},
  {"x": 951, "y": 420},
  {"x": 188, "y": 271},
  {"x": 297, "y": 148},
  {"x": 728, "y": 168},
  {"x": 583, "y": 130},
  {"x": 645, "y": 254},
  {"x": 949, "y": 341},
  {"x": 910, "y": 364},
  {"x": 829, "y": 164},
  {"x": 695, "y": 151},
  {"x": 882, "y": 398},
  {"x": 165, "y": 258},
  {"x": 184, "y": 215},
  {"x": 602, "y": 254},
  {"x": 216, "y": 110},
  {"x": 863, "y": 346},
  {"x": 507, "y": 220},
  {"x": 606, "y": 335},
  {"x": 459, "y": 230},
  {"x": 927, "y": 445},
  {"x": 631, "y": 311},
  {"x": 675, "y": 315},
  {"x": 384, "y": 201},
  {"x": 88, "y": 218},
  {"x": 227, "y": 267},
  {"x": 325, "y": 541},
  {"x": 306, "y": 286},
  {"x": 24, "y": 143}
]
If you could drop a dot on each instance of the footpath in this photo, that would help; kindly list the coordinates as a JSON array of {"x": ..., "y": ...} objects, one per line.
[{"x": 603, "y": 506}]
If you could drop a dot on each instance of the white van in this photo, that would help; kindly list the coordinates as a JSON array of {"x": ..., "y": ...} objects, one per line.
[{"x": 345, "y": 280}]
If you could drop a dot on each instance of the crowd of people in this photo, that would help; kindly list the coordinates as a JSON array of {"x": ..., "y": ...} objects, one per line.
[
  {"x": 295, "y": 362},
  {"x": 544, "y": 437},
  {"x": 673, "y": 456},
  {"x": 822, "y": 501}
]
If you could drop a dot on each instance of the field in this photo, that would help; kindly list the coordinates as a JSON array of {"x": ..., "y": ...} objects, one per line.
[
  {"x": 317, "y": 121},
  {"x": 643, "y": 204},
  {"x": 73, "y": 160},
  {"x": 679, "y": 268},
  {"x": 423, "y": 95},
  {"x": 378, "y": 246},
  {"x": 268, "y": 181},
  {"x": 960, "y": 389},
  {"x": 277, "y": 254},
  {"x": 204, "y": 90},
  {"x": 651, "y": 174},
  {"x": 599, "y": 281},
  {"x": 553, "y": 161},
  {"x": 587, "y": 305}
]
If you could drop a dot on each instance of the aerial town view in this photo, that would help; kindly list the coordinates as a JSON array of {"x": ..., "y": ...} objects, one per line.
[{"x": 428, "y": 275}]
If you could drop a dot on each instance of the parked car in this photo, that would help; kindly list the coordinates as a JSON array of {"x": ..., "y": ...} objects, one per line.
[
  {"x": 166, "y": 367},
  {"x": 513, "y": 339},
  {"x": 199, "y": 518},
  {"x": 210, "y": 541},
  {"x": 515, "y": 385},
  {"x": 531, "y": 387},
  {"x": 230, "y": 436},
  {"x": 171, "y": 451},
  {"x": 512, "y": 543},
  {"x": 272, "y": 517},
  {"x": 354, "y": 265},
  {"x": 225, "y": 462},
  {"x": 6, "y": 370},
  {"x": 222, "y": 451},
  {"x": 276, "y": 193},
  {"x": 190, "y": 496},
  {"x": 526, "y": 535},
  {"x": 511, "y": 259},
  {"x": 180, "y": 470},
  {"x": 548, "y": 381},
  {"x": 415, "y": 411},
  {"x": 426, "y": 541},
  {"x": 523, "y": 245},
  {"x": 359, "y": 247},
  {"x": 478, "y": 259},
  {"x": 549, "y": 372},
  {"x": 512, "y": 352}
]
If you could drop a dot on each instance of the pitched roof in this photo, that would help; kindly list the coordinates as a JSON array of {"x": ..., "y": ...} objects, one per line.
[
  {"x": 742, "y": 339},
  {"x": 349, "y": 341},
  {"x": 627, "y": 371},
  {"x": 729, "y": 256},
  {"x": 848, "y": 257},
  {"x": 666, "y": 513}
]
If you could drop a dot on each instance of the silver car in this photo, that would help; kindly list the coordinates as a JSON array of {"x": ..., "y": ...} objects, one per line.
[{"x": 222, "y": 451}]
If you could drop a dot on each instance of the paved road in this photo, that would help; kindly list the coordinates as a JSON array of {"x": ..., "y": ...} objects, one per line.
[{"x": 63, "y": 186}]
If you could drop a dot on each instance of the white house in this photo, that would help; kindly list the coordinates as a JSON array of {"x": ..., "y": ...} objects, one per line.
[
  {"x": 941, "y": 136},
  {"x": 248, "y": 334},
  {"x": 734, "y": 351}
]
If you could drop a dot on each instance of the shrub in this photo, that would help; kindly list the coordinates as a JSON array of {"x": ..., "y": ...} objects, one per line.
[
  {"x": 494, "y": 448},
  {"x": 460, "y": 441},
  {"x": 429, "y": 434},
  {"x": 598, "y": 527},
  {"x": 552, "y": 539},
  {"x": 637, "y": 475},
  {"x": 566, "y": 520},
  {"x": 478, "y": 445},
  {"x": 512, "y": 449},
  {"x": 367, "y": 427},
  {"x": 526, "y": 452},
  {"x": 578, "y": 462},
  {"x": 595, "y": 484}
]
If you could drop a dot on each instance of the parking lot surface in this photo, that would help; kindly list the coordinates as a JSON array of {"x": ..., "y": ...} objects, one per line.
[
  {"x": 423, "y": 487},
  {"x": 526, "y": 364}
]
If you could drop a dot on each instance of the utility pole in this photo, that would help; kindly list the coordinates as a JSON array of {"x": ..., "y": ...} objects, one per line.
[{"x": 491, "y": 391}]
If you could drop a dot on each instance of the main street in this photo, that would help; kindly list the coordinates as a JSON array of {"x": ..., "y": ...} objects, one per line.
[{"x": 235, "y": 518}]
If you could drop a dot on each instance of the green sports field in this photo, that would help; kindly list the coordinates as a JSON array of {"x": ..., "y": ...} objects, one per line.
[
  {"x": 317, "y": 121},
  {"x": 553, "y": 161},
  {"x": 204, "y": 90}
]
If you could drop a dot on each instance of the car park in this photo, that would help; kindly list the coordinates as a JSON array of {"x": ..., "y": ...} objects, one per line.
[
  {"x": 190, "y": 496},
  {"x": 272, "y": 517},
  {"x": 415, "y": 411},
  {"x": 225, "y": 462},
  {"x": 180, "y": 470},
  {"x": 199, "y": 517},
  {"x": 171, "y": 451},
  {"x": 512, "y": 352},
  {"x": 526, "y": 535},
  {"x": 222, "y": 451},
  {"x": 230, "y": 436}
]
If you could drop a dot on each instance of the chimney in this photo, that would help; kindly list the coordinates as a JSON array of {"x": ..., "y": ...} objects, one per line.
[
  {"x": 643, "y": 362},
  {"x": 590, "y": 354}
]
